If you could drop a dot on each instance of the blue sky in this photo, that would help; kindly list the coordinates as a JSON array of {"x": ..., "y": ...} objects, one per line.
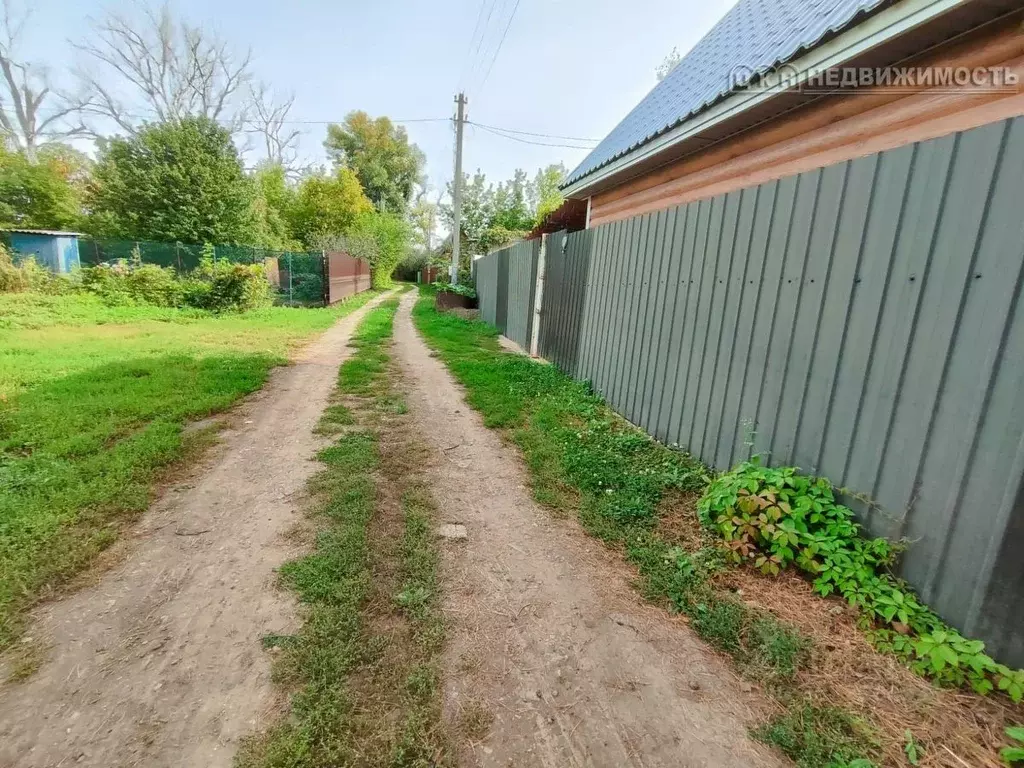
[{"x": 567, "y": 67}]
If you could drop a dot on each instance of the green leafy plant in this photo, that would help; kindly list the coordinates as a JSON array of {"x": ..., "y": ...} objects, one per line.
[
  {"x": 912, "y": 749},
  {"x": 775, "y": 518},
  {"x": 1015, "y": 752},
  {"x": 462, "y": 289}
]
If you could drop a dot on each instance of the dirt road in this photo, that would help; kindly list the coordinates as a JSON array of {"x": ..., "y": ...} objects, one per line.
[
  {"x": 159, "y": 664},
  {"x": 547, "y": 636}
]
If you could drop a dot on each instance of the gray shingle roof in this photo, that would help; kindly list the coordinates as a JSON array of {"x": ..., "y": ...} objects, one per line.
[{"x": 755, "y": 34}]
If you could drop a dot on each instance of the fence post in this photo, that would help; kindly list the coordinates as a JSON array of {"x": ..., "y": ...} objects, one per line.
[
  {"x": 325, "y": 270},
  {"x": 538, "y": 296},
  {"x": 291, "y": 298}
]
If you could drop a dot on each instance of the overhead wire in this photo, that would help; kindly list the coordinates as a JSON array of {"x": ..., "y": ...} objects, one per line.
[
  {"x": 250, "y": 122},
  {"x": 477, "y": 30},
  {"x": 501, "y": 42},
  {"x": 483, "y": 30},
  {"x": 531, "y": 133},
  {"x": 529, "y": 141},
  {"x": 398, "y": 121}
]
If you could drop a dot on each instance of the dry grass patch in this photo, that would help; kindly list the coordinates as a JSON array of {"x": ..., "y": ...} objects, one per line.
[{"x": 953, "y": 728}]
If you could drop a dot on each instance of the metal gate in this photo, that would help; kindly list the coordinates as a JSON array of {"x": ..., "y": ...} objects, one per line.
[{"x": 345, "y": 276}]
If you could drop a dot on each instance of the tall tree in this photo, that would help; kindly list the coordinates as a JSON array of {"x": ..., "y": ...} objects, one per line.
[
  {"x": 382, "y": 239},
  {"x": 423, "y": 218},
  {"x": 379, "y": 153},
  {"x": 46, "y": 194},
  {"x": 268, "y": 124},
  {"x": 493, "y": 216},
  {"x": 477, "y": 210},
  {"x": 544, "y": 193},
  {"x": 151, "y": 66},
  {"x": 176, "y": 181},
  {"x": 274, "y": 207},
  {"x": 327, "y": 207},
  {"x": 510, "y": 208},
  {"x": 25, "y": 91}
]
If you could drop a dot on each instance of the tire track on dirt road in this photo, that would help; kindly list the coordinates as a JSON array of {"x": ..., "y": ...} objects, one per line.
[
  {"x": 159, "y": 663},
  {"x": 546, "y": 634}
]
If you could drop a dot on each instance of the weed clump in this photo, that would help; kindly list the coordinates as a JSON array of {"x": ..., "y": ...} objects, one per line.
[{"x": 817, "y": 737}]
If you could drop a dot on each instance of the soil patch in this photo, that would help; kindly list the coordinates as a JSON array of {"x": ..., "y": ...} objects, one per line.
[{"x": 553, "y": 658}]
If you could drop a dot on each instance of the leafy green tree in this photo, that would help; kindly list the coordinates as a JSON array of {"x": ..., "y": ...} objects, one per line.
[
  {"x": 175, "y": 181},
  {"x": 383, "y": 240},
  {"x": 423, "y": 219},
  {"x": 544, "y": 194},
  {"x": 46, "y": 194},
  {"x": 380, "y": 155},
  {"x": 495, "y": 216},
  {"x": 477, "y": 210},
  {"x": 327, "y": 207},
  {"x": 511, "y": 211},
  {"x": 274, "y": 206}
]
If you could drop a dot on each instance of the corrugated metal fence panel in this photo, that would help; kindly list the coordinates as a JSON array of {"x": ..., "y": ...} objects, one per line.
[
  {"x": 501, "y": 280},
  {"x": 522, "y": 280},
  {"x": 567, "y": 261},
  {"x": 347, "y": 276},
  {"x": 861, "y": 321},
  {"x": 487, "y": 287}
]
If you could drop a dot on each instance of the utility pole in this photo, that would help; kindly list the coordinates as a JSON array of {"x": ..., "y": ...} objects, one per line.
[{"x": 460, "y": 120}]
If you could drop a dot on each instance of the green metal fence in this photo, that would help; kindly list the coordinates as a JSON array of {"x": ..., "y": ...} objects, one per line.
[
  {"x": 298, "y": 276},
  {"x": 862, "y": 321}
]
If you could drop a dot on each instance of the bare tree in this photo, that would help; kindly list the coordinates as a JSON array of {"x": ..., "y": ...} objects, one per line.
[
  {"x": 25, "y": 90},
  {"x": 167, "y": 68},
  {"x": 268, "y": 123},
  {"x": 669, "y": 63},
  {"x": 423, "y": 217}
]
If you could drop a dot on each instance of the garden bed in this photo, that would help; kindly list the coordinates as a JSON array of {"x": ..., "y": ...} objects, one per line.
[{"x": 450, "y": 300}]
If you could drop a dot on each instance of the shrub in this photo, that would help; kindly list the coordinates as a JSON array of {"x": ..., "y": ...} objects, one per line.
[
  {"x": 776, "y": 517},
  {"x": 125, "y": 283},
  {"x": 28, "y": 275},
  {"x": 215, "y": 286},
  {"x": 222, "y": 286},
  {"x": 195, "y": 292},
  {"x": 238, "y": 287},
  {"x": 12, "y": 278},
  {"x": 462, "y": 289}
]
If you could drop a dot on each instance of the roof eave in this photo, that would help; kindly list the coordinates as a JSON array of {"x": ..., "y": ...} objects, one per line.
[{"x": 876, "y": 30}]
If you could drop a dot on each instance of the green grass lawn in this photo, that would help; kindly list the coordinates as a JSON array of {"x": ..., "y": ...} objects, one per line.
[{"x": 93, "y": 400}]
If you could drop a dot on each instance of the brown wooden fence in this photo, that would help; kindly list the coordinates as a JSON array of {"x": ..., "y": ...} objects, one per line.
[
  {"x": 431, "y": 273},
  {"x": 346, "y": 276}
]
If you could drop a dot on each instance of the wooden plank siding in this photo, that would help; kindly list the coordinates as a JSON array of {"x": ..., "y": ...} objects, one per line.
[{"x": 831, "y": 130}]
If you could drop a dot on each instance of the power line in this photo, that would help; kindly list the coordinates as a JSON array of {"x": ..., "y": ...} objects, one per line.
[
  {"x": 393, "y": 120},
  {"x": 500, "y": 43},
  {"x": 501, "y": 130},
  {"x": 485, "y": 43},
  {"x": 251, "y": 122},
  {"x": 476, "y": 29},
  {"x": 483, "y": 30},
  {"x": 528, "y": 141},
  {"x": 530, "y": 133}
]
